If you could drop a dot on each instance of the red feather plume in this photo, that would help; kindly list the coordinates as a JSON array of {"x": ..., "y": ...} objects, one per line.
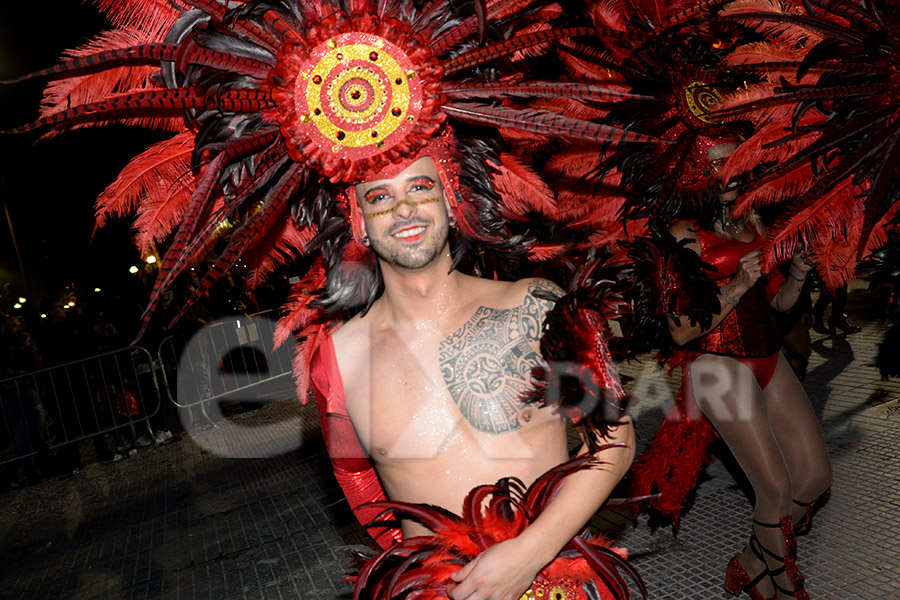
[
  {"x": 146, "y": 15},
  {"x": 672, "y": 463},
  {"x": 149, "y": 177},
  {"x": 827, "y": 125},
  {"x": 282, "y": 245},
  {"x": 523, "y": 190},
  {"x": 304, "y": 320},
  {"x": 421, "y": 567}
]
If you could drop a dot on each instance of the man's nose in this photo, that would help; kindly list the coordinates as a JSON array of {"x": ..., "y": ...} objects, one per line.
[{"x": 405, "y": 208}]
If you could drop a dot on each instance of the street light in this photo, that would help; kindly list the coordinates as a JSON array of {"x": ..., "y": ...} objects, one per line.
[
  {"x": 21, "y": 300},
  {"x": 151, "y": 259},
  {"x": 132, "y": 269}
]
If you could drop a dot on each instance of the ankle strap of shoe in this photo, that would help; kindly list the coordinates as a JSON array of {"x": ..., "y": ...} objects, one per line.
[
  {"x": 754, "y": 539},
  {"x": 761, "y": 524},
  {"x": 781, "y": 590}
]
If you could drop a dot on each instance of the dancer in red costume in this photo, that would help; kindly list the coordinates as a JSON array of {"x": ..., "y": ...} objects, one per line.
[
  {"x": 700, "y": 296},
  {"x": 834, "y": 161},
  {"x": 698, "y": 289},
  {"x": 747, "y": 390},
  {"x": 828, "y": 169}
]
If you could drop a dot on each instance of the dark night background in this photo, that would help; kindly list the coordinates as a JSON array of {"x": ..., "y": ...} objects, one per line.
[{"x": 49, "y": 186}]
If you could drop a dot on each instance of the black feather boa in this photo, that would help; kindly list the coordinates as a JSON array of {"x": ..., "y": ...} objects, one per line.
[{"x": 666, "y": 280}]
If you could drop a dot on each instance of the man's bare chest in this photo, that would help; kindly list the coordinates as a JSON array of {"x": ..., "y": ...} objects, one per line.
[{"x": 424, "y": 387}]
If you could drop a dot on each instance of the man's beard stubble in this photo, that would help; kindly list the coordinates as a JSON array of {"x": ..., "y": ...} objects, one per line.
[{"x": 396, "y": 253}]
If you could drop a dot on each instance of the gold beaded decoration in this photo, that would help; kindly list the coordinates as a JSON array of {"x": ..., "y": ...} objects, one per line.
[
  {"x": 381, "y": 213},
  {"x": 701, "y": 99},
  {"x": 358, "y": 92}
]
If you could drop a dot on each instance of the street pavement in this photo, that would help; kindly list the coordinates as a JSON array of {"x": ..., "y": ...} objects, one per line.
[{"x": 250, "y": 509}]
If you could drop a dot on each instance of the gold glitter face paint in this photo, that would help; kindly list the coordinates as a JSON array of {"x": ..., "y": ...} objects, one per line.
[{"x": 390, "y": 211}]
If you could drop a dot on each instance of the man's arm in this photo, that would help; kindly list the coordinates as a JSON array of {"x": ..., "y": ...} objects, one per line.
[
  {"x": 353, "y": 470},
  {"x": 505, "y": 571}
]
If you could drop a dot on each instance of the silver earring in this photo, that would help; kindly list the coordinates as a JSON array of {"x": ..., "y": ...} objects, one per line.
[
  {"x": 452, "y": 220},
  {"x": 365, "y": 240}
]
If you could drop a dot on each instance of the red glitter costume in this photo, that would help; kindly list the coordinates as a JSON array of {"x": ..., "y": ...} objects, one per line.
[{"x": 749, "y": 332}]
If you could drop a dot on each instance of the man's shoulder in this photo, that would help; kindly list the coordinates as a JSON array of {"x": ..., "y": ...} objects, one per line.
[
  {"x": 514, "y": 293},
  {"x": 543, "y": 289},
  {"x": 348, "y": 330},
  {"x": 538, "y": 292}
]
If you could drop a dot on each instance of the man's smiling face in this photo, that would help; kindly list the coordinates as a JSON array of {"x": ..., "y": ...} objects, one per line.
[{"x": 406, "y": 217}]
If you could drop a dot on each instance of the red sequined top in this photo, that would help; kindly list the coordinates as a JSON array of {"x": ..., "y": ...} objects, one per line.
[{"x": 749, "y": 330}]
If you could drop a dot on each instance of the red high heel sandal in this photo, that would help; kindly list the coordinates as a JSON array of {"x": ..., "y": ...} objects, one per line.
[
  {"x": 736, "y": 578},
  {"x": 789, "y": 560},
  {"x": 804, "y": 523}
]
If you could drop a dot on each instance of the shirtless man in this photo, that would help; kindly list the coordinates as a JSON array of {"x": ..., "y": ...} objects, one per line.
[{"x": 432, "y": 377}]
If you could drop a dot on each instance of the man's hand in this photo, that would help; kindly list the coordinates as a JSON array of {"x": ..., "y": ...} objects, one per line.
[{"x": 502, "y": 572}]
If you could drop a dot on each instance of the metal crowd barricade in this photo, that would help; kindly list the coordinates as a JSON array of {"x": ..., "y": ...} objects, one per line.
[
  {"x": 75, "y": 401},
  {"x": 230, "y": 359}
]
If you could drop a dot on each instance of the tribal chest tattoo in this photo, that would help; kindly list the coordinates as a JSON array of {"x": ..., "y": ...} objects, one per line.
[{"x": 486, "y": 363}]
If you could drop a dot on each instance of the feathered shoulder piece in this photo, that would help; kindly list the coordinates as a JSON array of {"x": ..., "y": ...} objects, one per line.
[
  {"x": 419, "y": 568},
  {"x": 581, "y": 374},
  {"x": 666, "y": 279}
]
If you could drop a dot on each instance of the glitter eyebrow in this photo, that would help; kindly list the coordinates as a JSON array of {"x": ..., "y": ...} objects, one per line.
[
  {"x": 421, "y": 179},
  {"x": 369, "y": 193}
]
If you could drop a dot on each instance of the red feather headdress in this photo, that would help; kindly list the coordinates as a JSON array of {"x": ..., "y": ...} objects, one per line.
[
  {"x": 278, "y": 106},
  {"x": 665, "y": 53},
  {"x": 827, "y": 146}
]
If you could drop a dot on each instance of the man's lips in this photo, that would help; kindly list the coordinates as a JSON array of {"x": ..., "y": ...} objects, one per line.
[{"x": 410, "y": 232}]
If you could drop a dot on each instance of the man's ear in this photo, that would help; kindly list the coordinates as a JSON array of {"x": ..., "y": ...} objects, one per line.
[{"x": 445, "y": 194}]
